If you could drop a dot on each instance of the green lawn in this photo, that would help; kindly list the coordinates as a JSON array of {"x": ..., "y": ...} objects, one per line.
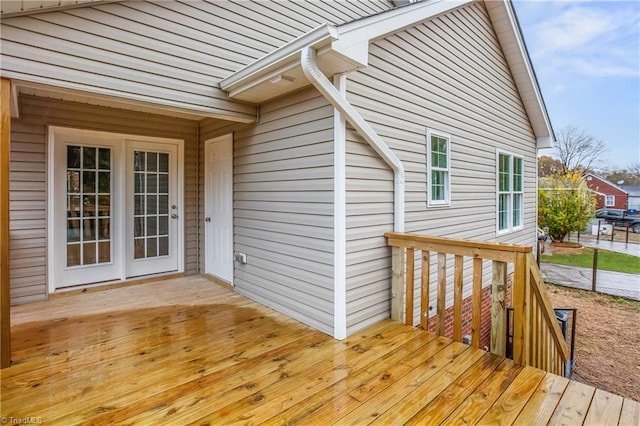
[{"x": 607, "y": 260}]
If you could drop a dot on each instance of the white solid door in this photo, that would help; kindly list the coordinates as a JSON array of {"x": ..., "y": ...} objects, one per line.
[
  {"x": 218, "y": 211},
  {"x": 153, "y": 208}
]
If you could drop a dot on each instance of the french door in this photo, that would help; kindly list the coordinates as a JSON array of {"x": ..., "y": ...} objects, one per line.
[
  {"x": 152, "y": 204},
  {"x": 115, "y": 204}
]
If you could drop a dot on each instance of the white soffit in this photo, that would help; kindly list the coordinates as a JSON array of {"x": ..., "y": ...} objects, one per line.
[
  {"x": 280, "y": 72},
  {"x": 71, "y": 95}
]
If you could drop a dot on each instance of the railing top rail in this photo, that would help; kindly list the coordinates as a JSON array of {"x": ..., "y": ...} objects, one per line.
[{"x": 410, "y": 240}]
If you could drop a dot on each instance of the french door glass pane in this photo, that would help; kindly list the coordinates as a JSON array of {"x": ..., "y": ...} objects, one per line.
[
  {"x": 151, "y": 204},
  {"x": 88, "y": 198}
]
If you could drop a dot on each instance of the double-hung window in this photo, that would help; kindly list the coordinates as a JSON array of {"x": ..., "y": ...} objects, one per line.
[
  {"x": 510, "y": 192},
  {"x": 438, "y": 168},
  {"x": 609, "y": 200}
]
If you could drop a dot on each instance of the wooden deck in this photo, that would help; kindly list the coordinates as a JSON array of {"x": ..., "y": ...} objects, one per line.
[{"x": 189, "y": 350}]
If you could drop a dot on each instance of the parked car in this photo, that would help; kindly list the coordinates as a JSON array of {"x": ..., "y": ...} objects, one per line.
[{"x": 620, "y": 218}]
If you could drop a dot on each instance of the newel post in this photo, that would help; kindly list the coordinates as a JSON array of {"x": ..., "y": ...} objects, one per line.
[
  {"x": 521, "y": 294},
  {"x": 397, "y": 283},
  {"x": 499, "y": 309},
  {"x": 5, "y": 136}
]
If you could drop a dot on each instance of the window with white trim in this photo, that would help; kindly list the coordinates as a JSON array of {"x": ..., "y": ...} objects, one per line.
[
  {"x": 438, "y": 168},
  {"x": 609, "y": 200},
  {"x": 510, "y": 190}
]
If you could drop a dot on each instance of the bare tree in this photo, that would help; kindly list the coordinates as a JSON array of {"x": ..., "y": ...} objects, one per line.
[
  {"x": 630, "y": 176},
  {"x": 578, "y": 151}
]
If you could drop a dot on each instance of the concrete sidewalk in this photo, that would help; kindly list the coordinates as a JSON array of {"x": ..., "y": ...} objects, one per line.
[
  {"x": 620, "y": 247},
  {"x": 613, "y": 283}
]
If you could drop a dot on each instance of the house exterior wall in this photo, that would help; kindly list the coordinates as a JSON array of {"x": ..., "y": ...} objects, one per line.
[
  {"x": 633, "y": 192},
  {"x": 369, "y": 214},
  {"x": 168, "y": 52},
  {"x": 283, "y": 208},
  {"x": 602, "y": 188},
  {"x": 28, "y": 192},
  {"x": 449, "y": 75}
]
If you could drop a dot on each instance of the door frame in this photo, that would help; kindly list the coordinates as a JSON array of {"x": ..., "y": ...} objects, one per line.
[
  {"x": 119, "y": 203},
  {"x": 228, "y": 138}
]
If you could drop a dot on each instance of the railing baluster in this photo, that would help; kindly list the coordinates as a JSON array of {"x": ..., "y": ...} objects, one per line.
[
  {"x": 408, "y": 315},
  {"x": 442, "y": 290},
  {"x": 476, "y": 301},
  {"x": 499, "y": 308},
  {"x": 537, "y": 338},
  {"x": 424, "y": 290},
  {"x": 397, "y": 282},
  {"x": 457, "y": 298}
]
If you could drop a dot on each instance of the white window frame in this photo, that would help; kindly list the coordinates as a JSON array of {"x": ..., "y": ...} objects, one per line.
[
  {"x": 609, "y": 200},
  {"x": 447, "y": 171},
  {"x": 510, "y": 192}
]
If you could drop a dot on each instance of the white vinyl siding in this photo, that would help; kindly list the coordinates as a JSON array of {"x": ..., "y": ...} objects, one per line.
[
  {"x": 28, "y": 191},
  {"x": 438, "y": 168},
  {"x": 283, "y": 208},
  {"x": 167, "y": 52},
  {"x": 369, "y": 212},
  {"x": 510, "y": 191},
  {"x": 448, "y": 74}
]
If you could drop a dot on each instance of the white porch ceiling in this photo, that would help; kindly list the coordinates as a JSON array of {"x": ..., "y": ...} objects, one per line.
[{"x": 18, "y": 7}]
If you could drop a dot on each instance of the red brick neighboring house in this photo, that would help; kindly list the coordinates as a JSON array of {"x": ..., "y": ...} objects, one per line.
[{"x": 607, "y": 194}]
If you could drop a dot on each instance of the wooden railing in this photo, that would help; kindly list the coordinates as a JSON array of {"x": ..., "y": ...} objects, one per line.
[{"x": 537, "y": 338}]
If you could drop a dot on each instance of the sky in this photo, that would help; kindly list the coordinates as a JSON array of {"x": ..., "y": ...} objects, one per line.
[{"x": 586, "y": 55}]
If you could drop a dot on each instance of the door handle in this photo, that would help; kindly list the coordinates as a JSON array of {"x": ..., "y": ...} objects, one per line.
[
  {"x": 207, "y": 219},
  {"x": 174, "y": 216}
]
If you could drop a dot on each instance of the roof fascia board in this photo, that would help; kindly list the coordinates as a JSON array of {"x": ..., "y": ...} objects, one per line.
[
  {"x": 354, "y": 37},
  {"x": 545, "y": 142},
  {"x": 520, "y": 59},
  {"x": 280, "y": 59}
]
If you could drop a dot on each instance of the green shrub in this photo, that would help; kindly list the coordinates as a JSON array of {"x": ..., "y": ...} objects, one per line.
[{"x": 565, "y": 205}]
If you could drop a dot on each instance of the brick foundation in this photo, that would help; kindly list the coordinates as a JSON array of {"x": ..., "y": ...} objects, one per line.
[{"x": 485, "y": 324}]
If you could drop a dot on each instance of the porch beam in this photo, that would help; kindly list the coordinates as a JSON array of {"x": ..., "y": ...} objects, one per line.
[{"x": 5, "y": 305}]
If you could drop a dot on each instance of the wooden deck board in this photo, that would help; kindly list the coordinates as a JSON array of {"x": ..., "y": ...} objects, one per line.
[
  {"x": 544, "y": 400},
  {"x": 630, "y": 413},
  {"x": 189, "y": 350},
  {"x": 506, "y": 409},
  {"x": 574, "y": 405},
  {"x": 605, "y": 409}
]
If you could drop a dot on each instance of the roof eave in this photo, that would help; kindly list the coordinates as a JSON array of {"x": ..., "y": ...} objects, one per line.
[
  {"x": 340, "y": 50},
  {"x": 345, "y": 48},
  {"x": 279, "y": 58},
  {"x": 512, "y": 42}
]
